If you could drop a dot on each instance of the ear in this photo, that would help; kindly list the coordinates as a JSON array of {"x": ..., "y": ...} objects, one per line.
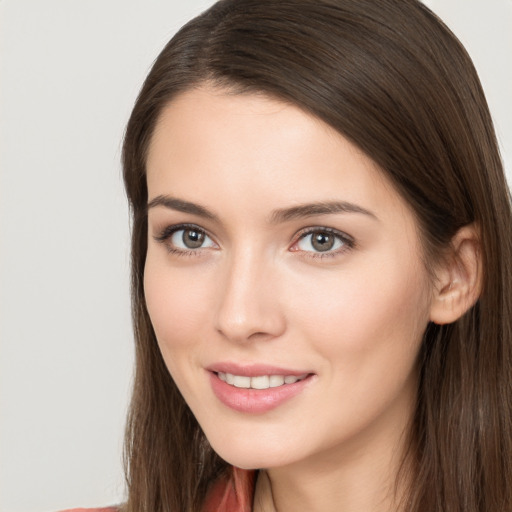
[{"x": 459, "y": 277}]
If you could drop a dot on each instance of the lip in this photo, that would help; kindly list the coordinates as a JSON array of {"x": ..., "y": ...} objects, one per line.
[
  {"x": 253, "y": 370},
  {"x": 255, "y": 401}
]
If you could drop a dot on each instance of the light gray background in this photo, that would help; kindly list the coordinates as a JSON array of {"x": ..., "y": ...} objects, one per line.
[{"x": 70, "y": 71}]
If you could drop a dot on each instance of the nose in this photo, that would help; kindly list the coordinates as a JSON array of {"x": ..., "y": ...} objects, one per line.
[{"x": 249, "y": 303}]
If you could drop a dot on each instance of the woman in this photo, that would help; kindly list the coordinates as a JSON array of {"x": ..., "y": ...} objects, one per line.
[{"x": 321, "y": 267}]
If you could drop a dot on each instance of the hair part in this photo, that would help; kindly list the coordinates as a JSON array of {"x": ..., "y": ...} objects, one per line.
[{"x": 389, "y": 76}]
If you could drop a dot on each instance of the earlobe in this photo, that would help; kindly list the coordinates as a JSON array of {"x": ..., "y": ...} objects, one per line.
[{"x": 459, "y": 277}]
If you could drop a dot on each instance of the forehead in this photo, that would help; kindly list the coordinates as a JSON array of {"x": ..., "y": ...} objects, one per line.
[
  {"x": 242, "y": 151},
  {"x": 213, "y": 117}
]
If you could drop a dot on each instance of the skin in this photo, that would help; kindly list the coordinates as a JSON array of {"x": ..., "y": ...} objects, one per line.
[{"x": 257, "y": 291}]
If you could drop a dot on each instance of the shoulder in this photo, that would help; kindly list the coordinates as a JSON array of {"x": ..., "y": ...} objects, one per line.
[
  {"x": 232, "y": 493},
  {"x": 103, "y": 509}
]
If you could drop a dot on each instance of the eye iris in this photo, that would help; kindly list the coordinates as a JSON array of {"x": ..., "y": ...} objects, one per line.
[
  {"x": 193, "y": 238},
  {"x": 322, "y": 241}
]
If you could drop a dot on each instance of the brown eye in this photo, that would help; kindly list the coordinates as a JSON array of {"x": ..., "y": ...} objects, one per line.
[
  {"x": 192, "y": 238},
  {"x": 188, "y": 238},
  {"x": 322, "y": 241}
]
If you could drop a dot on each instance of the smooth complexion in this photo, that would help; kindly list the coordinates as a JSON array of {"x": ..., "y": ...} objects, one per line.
[{"x": 276, "y": 245}]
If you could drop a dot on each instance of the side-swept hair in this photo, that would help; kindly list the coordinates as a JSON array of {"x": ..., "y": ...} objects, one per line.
[{"x": 389, "y": 76}]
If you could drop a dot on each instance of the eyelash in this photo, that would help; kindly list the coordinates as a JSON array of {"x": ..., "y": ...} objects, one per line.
[
  {"x": 347, "y": 241},
  {"x": 169, "y": 231}
]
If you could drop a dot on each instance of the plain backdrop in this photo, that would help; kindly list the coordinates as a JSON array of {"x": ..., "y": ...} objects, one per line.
[{"x": 70, "y": 71}]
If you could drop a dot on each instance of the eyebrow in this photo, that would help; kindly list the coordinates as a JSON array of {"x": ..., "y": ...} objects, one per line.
[
  {"x": 182, "y": 206},
  {"x": 278, "y": 216},
  {"x": 321, "y": 208}
]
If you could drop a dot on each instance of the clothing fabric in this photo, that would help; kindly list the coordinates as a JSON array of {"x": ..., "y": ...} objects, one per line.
[
  {"x": 104, "y": 509},
  {"x": 233, "y": 493}
]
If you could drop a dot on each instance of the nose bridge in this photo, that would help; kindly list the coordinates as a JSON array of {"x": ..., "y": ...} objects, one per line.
[{"x": 248, "y": 303}]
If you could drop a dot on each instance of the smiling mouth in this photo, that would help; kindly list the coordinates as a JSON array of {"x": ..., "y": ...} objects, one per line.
[{"x": 259, "y": 381}]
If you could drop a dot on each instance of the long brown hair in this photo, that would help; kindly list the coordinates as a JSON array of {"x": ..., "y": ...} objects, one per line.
[{"x": 389, "y": 76}]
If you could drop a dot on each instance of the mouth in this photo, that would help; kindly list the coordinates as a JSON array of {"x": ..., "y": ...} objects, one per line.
[
  {"x": 259, "y": 381},
  {"x": 257, "y": 389}
]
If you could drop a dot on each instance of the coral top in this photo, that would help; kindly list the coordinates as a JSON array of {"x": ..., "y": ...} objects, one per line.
[
  {"x": 106, "y": 509},
  {"x": 231, "y": 494}
]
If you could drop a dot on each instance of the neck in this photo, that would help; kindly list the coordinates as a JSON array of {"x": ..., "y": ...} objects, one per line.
[
  {"x": 359, "y": 476},
  {"x": 335, "y": 492}
]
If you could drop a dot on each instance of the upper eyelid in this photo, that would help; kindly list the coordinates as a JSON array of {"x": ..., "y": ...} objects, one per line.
[
  {"x": 165, "y": 235},
  {"x": 318, "y": 229},
  {"x": 167, "y": 231},
  {"x": 348, "y": 241}
]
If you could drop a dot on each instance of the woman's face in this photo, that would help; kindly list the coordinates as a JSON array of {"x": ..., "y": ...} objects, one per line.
[{"x": 284, "y": 281}]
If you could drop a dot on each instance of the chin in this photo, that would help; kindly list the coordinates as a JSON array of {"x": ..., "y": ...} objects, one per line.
[
  {"x": 253, "y": 461},
  {"x": 248, "y": 454}
]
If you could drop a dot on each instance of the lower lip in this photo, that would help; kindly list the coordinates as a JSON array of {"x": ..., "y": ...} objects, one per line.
[{"x": 255, "y": 401}]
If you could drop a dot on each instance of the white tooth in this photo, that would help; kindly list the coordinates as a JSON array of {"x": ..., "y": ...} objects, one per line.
[
  {"x": 276, "y": 381},
  {"x": 290, "y": 379},
  {"x": 222, "y": 376},
  {"x": 229, "y": 378},
  {"x": 260, "y": 382},
  {"x": 241, "y": 381}
]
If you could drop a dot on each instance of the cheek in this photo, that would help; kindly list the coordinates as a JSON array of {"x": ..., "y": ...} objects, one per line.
[
  {"x": 368, "y": 314},
  {"x": 177, "y": 304},
  {"x": 367, "y": 332}
]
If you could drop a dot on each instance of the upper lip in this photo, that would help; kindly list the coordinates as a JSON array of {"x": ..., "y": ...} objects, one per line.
[{"x": 253, "y": 370}]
